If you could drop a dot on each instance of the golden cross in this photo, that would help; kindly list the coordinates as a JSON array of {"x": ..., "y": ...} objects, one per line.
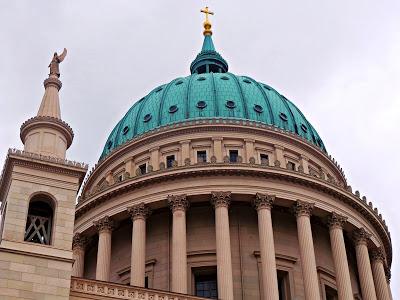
[{"x": 207, "y": 12}]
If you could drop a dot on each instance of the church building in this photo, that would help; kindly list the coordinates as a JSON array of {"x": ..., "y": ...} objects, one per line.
[{"x": 213, "y": 185}]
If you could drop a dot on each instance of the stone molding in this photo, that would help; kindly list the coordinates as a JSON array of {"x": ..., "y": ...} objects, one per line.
[
  {"x": 79, "y": 241},
  {"x": 178, "y": 202},
  {"x": 139, "y": 211},
  {"x": 104, "y": 224},
  {"x": 361, "y": 236},
  {"x": 302, "y": 208},
  {"x": 336, "y": 221},
  {"x": 263, "y": 201},
  {"x": 52, "y": 82},
  {"x": 221, "y": 199}
]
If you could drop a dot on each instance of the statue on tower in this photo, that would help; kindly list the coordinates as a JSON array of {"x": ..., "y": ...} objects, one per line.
[{"x": 55, "y": 63}]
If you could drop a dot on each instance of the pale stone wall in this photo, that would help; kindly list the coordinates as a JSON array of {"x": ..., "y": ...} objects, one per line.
[{"x": 26, "y": 276}]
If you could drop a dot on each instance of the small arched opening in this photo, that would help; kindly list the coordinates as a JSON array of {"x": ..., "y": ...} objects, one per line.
[{"x": 40, "y": 220}]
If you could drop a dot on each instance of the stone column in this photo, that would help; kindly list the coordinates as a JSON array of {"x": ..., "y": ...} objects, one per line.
[
  {"x": 78, "y": 254},
  {"x": 105, "y": 227},
  {"x": 217, "y": 148},
  {"x": 138, "y": 213},
  {"x": 378, "y": 272},
  {"x": 263, "y": 204},
  {"x": 361, "y": 237},
  {"x": 343, "y": 283},
  {"x": 303, "y": 212},
  {"x": 304, "y": 163},
  {"x": 129, "y": 166},
  {"x": 178, "y": 205},
  {"x": 221, "y": 201}
]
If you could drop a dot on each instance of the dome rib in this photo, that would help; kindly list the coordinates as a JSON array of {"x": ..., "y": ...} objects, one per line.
[
  {"x": 142, "y": 102},
  {"x": 214, "y": 95},
  {"x": 189, "y": 87},
  {"x": 166, "y": 89},
  {"x": 244, "y": 103}
]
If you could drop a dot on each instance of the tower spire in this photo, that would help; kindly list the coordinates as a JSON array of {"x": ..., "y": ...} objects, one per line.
[
  {"x": 208, "y": 60},
  {"x": 47, "y": 134}
]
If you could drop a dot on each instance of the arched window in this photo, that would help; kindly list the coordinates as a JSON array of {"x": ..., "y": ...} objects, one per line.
[{"x": 39, "y": 221}]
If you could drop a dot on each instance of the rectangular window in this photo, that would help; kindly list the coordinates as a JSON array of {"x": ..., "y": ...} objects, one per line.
[
  {"x": 264, "y": 159},
  {"x": 330, "y": 293},
  {"x": 283, "y": 285},
  {"x": 201, "y": 156},
  {"x": 142, "y": 169},
  {"x": 233, "y": 156},
  {"x": 205, "y": 281},
  {"x": 170, "y": 161},
  {"x": 291, "y": 166},
  {"x": 146, "y": 282}
]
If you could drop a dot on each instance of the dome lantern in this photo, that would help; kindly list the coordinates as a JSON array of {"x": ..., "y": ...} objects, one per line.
[{"x": 208, "y": 60}]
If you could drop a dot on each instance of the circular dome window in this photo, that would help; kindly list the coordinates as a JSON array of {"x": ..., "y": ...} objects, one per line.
[
  {"x": 283, "y": 116},
  {"x": 224, "y": 78},
  {"x": 147, "y": 118},
  {"x": 201, "y": 79},
  {"x": 178, "y": 82},
  {"x": 258, "y": 108},
  {"x": 304, "y": 127},
  {"x": 201, "y": 104},
  {"x": 246, "y": 80},
  {"x": 109, "y": 145},
  {"x": 172, "y": 109},
  {"x": 230, "y": 104},
  {"x": 125, "y": 130}
]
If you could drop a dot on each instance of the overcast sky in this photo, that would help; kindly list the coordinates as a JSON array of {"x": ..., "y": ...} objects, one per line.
[{"x": 338, "y": 61}]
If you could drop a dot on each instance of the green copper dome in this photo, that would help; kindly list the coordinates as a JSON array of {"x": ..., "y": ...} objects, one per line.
[{"x": 210, "y": 92}]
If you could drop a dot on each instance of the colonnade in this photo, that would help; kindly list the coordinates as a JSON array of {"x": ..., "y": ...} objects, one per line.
[{"x": 372, "y": 278}]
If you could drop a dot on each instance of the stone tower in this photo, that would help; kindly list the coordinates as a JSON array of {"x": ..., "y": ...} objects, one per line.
[{"x": 38, "y": 190}]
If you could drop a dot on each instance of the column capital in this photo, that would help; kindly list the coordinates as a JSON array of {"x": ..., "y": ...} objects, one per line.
[
  {"x": 104, "y": 224},
  {"x": 217, "y": 138},
  {"x": 336, "y": 221},
  {"x": 185, "y": 142},
  {"x": 139, "y": 211},
  {"x": 178, "y": 202},
  {"x": 250, "y": 140},
  {"x": 154, "y": 149},
  {"x": 263, "y": 201},
  {"x": 279, "y": 147},
  {"x": 221, "y": 199},
  {"x": 361, "y": 236},
  {"x": 378, "y": 255},
  {"x": 302, "y": 208},
  {"x": 388, "y": 273},
  {"x": 79, "y": 241}
]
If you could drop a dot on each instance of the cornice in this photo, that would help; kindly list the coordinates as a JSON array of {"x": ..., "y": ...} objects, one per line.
[
  {"x": 46, "y": 121},
  {"x": 241, "y": 169},
  {"x": 38, "y": 162}
]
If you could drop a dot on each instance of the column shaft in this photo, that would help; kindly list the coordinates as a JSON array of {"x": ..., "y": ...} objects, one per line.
[
  {"x": 263, "y": 204},
  {"x": 364, "y": 265},
  {"x": 307, "y": 255},
  {"x": 138, "y": 255},
  {"x": 78, "y": 255},
  {"x": 104, "y": 256},
  {"x": 221, "y": 202},
  {"x": 105, "y": 227},
  {"x": 378, "y": 272},
  {"x": 138, "y": 213},
  {"x": 342, "y": 272},
  {"x": 178, "y": 205}
]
